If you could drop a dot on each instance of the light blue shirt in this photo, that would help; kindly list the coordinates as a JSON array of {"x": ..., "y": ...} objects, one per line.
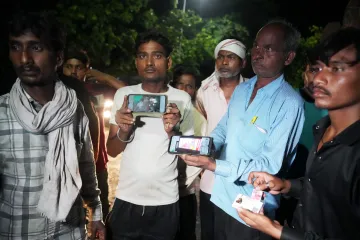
[{"x": 266, "y": 144}]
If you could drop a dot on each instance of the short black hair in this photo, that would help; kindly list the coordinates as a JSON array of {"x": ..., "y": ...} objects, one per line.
[
  {"x": 43, "y": 25},
  {"x": 291, "y": 34},
  {"x": 80, "y": 55},
  {"x": 156, "y": 37},
  {"x": 182, "y": 69},
  {"x": 336, "y": 42}
]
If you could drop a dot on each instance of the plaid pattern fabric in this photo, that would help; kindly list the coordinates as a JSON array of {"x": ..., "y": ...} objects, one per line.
[{"x": 22, "y": 161}]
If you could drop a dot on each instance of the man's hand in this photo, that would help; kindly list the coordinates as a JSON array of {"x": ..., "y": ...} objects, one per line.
[
  {"x": 124, "y": 118},
  {"x": 266, "y": 182},
  {"x": 98, "y": 230},
  {"x": 171, "y": 117},
  {"x": 261, "y": 223},
  {"x": 95, "y": 75},
  {"x": 199, "y": 161}
]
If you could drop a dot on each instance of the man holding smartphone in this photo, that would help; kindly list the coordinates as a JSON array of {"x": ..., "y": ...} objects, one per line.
[
  {"x": 260, "y": 130},
  {"x": 146, "y": 204}
]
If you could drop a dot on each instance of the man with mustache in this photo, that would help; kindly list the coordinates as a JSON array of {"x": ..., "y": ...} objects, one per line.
[
  {"x": 212, "y": 101},
  {"x": 260, "y": 130},
  {"x": 46, "y": 158},
  {"x": 329, "y": 193},
  {"x": 146, "y": 205}
]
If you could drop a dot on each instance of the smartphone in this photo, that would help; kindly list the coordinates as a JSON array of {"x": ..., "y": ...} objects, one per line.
[
  {"x": 190, "y": 145},
  {"x": 147, "y": 103}
]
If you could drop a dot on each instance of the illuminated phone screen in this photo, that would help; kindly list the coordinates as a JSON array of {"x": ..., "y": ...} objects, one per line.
[
  {"x": 190, "y": 143},
  {"x": 147, "y": 103}
]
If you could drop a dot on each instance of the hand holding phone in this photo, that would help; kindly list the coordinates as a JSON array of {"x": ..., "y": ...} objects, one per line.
[
  {"x": 124, "y": 117},
  {"x": 171, "y": 117}
]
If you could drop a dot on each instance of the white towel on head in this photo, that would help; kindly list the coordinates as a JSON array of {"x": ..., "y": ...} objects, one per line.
[{"x": 231, "y": 45}]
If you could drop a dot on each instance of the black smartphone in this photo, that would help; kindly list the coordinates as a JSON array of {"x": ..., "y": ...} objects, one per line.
[
  {"x": 192, "y": 145},
  {"x": 147, "y": 103}
]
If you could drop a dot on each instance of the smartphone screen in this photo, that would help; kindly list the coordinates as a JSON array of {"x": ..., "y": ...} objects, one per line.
[
  {"x": 190, "y": 145},
  {"x": 147, "y": 103}
]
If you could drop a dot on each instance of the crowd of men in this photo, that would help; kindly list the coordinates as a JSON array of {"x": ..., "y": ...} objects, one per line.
[{"x": 53, "y": 151}]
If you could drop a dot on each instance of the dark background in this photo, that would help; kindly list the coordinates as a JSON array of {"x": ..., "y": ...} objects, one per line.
[{"x": 302, "y": 14}]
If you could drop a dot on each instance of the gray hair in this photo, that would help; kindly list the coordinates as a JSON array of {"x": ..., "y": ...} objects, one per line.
[{"x": 291, "y": 34}]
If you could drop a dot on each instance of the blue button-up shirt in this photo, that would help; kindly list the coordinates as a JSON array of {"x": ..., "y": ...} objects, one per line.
[{"x": 261, "y": 136}]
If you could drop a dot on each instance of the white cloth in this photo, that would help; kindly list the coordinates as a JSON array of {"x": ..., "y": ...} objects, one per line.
[
  {"x": 148, "y": 173},
  {"x": 62, "y": 181},
  {"x": 211, "y": 102},
  {"x": 231, "y": 45}
]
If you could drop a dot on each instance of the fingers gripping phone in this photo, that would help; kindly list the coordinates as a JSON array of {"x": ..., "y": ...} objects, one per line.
[
  {"x": 147, "y": 104},
  {"x": 192, "y": 145}
]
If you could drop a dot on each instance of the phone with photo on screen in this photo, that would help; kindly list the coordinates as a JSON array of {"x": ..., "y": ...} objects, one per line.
[
  {"x": 192, "y": 145},
  {"x": 147, "y": 103}
]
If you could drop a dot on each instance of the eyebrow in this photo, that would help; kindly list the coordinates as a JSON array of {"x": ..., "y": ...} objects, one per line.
[{"x": 161, "y": 52}]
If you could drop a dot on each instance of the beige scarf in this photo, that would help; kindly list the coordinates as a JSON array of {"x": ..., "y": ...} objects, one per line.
[{"x": 62, "y": 181}]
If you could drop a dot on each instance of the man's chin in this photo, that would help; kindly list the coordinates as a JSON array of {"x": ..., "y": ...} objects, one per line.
[
  {"x": 31, "y": 81},
  {"x": 154, "y": 79}
]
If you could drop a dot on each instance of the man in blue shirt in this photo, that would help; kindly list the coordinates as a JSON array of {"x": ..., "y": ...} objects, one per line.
[{"x": 260, "y": 130}]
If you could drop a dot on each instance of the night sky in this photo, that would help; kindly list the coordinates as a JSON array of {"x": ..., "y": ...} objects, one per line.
[{"x": 301, "y": 13}]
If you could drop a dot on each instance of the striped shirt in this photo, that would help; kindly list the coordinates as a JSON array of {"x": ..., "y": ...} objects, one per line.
[{"x": 22, "y": 162}]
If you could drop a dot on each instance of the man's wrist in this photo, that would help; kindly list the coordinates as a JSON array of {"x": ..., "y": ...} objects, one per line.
[
  {"x": 211, "y": 166},
  {"x": 276, "y": 231},
  {"x": 287, "y": 186}
]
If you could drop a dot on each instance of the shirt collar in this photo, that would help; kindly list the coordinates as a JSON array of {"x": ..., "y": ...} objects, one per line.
[
  {"x": 271, "y": 88},
  {"x": 349, "y": 136}
]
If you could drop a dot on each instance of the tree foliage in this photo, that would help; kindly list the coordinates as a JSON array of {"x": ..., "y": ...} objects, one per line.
[
  {"x": 106, "y": 29},
  {"x": 297, "y": 67}
]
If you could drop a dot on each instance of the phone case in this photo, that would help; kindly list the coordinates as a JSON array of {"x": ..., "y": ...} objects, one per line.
[{"x": 190, "y": 152}]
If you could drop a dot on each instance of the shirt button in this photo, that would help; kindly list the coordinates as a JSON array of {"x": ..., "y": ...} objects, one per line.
[
  {"x": 309, "y": 180},
  {"x": 315, "y": 152},
  {"x": 319, "y": 157},
  {"x": 317, "y": 127},
  {"x": 331, "y": 141}
]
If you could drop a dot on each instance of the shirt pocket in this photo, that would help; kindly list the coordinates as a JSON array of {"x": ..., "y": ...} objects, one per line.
[{"x": 253, "y": 137}]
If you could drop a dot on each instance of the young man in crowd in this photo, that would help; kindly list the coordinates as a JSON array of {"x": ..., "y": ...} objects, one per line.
[
  {"x": 329, "y": 193},
  {"x": 260, "y": 130},
  {"x": 146, "y": 204},
  {"x": 77, "y": 65},
  {"x": 47, "y": 162},
  {"x": 212, "y": 101},
  {"x": 185, "y": 78}
]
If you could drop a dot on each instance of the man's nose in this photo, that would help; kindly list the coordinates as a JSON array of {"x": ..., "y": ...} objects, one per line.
[{"x": 26, "y": 58}]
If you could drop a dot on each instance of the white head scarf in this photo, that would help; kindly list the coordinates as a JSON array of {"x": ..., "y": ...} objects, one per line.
[{"x": 231, "y": 45}]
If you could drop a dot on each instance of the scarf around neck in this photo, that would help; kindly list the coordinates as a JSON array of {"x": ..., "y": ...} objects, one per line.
[{"x": 62, "y": 181}]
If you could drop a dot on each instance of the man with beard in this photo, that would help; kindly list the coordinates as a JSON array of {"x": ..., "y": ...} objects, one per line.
[
  {"x": 46, "y": 158},
  {"x": 260, "y": 130},
  {"x": 212, "y": 101},
  {"x": 146, "y": 205}
]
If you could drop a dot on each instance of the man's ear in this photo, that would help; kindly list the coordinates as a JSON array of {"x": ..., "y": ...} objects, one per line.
[
  {"x": 59, "y": 59},
  {"x": 289, "y": 58},
  {"x": 169, "y": 63}
]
